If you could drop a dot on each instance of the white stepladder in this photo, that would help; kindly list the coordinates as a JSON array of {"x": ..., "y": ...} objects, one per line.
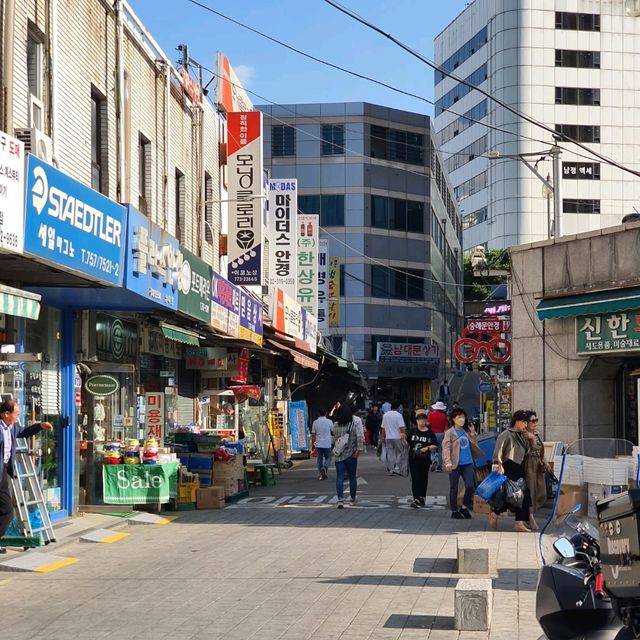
[{"x": 27, "y": 493}]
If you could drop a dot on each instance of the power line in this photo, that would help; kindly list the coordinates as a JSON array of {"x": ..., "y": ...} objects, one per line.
[{"x": 499, "y": 102}]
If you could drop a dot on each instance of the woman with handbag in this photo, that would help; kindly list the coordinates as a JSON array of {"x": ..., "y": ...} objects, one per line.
[
  {"x": 459, "y": 446},
  {"x": 347, "y": 444},
  {"x": 508, "y": 458},
  {"x": 535, "y": 468},
  {"x": 422, "y": 442}
]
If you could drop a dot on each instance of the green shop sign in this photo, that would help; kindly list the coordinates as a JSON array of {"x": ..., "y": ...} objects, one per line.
[
  {"x": 139, "y": 483},
  {"x": 101, "y": 385},
  {"x": 608, "y": 332},
  {"x": 194, "y": 287}
]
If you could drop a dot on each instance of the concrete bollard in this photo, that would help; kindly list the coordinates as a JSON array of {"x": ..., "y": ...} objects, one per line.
[
  {"x": 473, "y": 602},
  {"x": 472, "y": 557}
]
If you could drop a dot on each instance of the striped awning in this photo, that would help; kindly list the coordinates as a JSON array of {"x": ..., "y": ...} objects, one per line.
[
  {"x": 180, "y": 335},
  {"x": 15, "y": 302}
]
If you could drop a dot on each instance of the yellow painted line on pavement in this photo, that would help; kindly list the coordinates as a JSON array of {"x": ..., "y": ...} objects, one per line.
[
  {"x": 6, "y": 581},
  {"x": 114, "y": 538},
  {"x": 166, "y": 520},
  {"x": 56, "y": 565}
]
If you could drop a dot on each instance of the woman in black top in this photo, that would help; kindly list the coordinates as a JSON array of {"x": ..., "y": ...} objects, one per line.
[{"x": 422, "y": 441}]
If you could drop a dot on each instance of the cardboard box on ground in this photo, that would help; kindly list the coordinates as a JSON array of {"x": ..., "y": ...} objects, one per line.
[{"x": 210, "y": 498}]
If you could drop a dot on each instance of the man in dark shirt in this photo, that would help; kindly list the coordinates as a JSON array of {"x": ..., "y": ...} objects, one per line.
[
  {"x": 10, "y": 430},
  {"x": 372, "y": 424}
]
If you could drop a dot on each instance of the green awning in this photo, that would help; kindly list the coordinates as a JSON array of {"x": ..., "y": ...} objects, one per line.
[
  {"x": 180, "y": 335},
  {"x": 15, "y": 302},
  {"x": 589, "y": 303}
]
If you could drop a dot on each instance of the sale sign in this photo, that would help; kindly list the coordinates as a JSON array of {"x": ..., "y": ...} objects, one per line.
[{"x": 154, "y": 416}]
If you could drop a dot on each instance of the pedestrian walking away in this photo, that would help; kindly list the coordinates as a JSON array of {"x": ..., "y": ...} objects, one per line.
[
  {"x": 322, "y": 439},
  {"x": 439, "y": 422},
  {"x": 422, "y": 442},
  {"x": 347, "y": 443},
  {"x": 508, "y": 457},
  {"x": 457, "y": 454},
  {"x": 372, "y": 424},
  {"x": 386, "y": 406},
  {"x": 394, "y": 440},
  {"x": 11, "y": 429}
]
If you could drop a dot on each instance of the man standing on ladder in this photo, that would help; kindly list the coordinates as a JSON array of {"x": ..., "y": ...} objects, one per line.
[{"x": 9, "y": 415}]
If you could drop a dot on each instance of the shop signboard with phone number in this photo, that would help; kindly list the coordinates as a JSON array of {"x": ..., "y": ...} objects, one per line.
[{"x": 72, "y": 226}]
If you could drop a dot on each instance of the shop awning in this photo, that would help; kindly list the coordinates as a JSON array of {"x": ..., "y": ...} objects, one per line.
[
  {"x": 180, "y": 335},
  {"x": 15, "y": 302},
  {"x": 589, "y": 303},
  {"x": 299, "y": 358}
]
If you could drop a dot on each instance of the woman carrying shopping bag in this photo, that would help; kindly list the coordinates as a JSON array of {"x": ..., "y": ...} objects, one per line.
[
  {"x": 508, "y": 458},
  {"x": 457, "y": 454},
  {"x": 535, "y": 468}
]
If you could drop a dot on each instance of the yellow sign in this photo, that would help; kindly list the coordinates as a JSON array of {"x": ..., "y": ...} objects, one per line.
[
  {"x": 426, "y": 394},
  {"x": 334, "y": 291}
]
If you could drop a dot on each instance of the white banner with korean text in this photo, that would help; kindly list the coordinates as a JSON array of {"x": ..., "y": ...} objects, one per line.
[
  {"x": 283, "y": 253},
  {"x": 307, "y": 294}
]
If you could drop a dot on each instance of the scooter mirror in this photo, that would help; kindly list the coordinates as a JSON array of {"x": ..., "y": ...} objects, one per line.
[
  {"x": 564, "y": 547},
  {"x": 576, "y": 508}
]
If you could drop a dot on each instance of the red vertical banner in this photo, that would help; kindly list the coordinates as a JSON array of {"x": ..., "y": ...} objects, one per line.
[
  {"x": 154, "y": 416},
  {"x": 243, "y": 367}
]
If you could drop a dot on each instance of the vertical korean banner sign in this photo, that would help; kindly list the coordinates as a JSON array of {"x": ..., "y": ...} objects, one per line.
[
  {"x": 283, "y": 254},
  {"x": 154, "y": 416},
  {"x": 307, "y": 296},
  {"x": 334, "y": 291},
  {"x": 298, "y": 426},
  {"x": 245, "y": 181},
  {"x": 323, "y": 284}
]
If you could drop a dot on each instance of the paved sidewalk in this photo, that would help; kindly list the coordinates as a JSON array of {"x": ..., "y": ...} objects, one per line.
[{"x": 284, "y": 564}]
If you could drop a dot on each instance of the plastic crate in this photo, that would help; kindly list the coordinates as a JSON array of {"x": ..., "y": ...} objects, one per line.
[
  {"x": 187, "y": 492},
  {"x": 183, "y": 437}
]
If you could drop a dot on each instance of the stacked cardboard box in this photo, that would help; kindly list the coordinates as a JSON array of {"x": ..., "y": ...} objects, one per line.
[
  {"x": 210, "y": 498},
  {"x": 229, "y": 475}
]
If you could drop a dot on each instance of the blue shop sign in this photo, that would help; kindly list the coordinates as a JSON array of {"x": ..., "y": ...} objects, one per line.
[
  {"x": 153, "y": 261},
  {"x": 70, "y": 225}
]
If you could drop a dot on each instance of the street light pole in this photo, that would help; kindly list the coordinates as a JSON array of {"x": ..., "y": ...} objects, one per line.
[{"x": 557, "y": 191}]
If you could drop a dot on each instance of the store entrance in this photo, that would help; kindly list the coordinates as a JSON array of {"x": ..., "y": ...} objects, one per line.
[
  {"x": 629, "y": 384},
  {"x": 107, "y": 413},
  {"x": 24, "y": 377}
]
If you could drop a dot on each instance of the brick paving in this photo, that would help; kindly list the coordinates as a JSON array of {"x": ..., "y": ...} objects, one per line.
[{"x": 285, "y": 564}]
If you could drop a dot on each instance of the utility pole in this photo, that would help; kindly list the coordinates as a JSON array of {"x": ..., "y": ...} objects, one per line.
[{"x": 557, "y": 189}]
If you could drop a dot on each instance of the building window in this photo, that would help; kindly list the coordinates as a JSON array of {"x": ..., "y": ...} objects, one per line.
[
  {"x": 580, "y": 206},
  {"x": 462, "y": 54},
  {"x": 181, "y": 227},
  {"x": 577, "y": 21},
  {"x": 98, "y": 143},
  {"x": 579, "y": 132},
  {"x": 396, "y": 145},
  {"x": 330, "y": 208},
  {"x": 469, "y": 118},
  {"x": 471, "y": 186},
  {"x": 581, "y": 170},
  {"x": 474, "y": 218},
  {"x": 332, "y": 140},
  {"x": 208, "y": 208},
  {"x": 577, "y": 58},
  {"x": 397, "y": 215},
  {"x": 469, "y": 153},
  {"x": 397, "y": 284},
  {"x": 283, "y": 140},
  {"x": 144, "y": 175},
  {"x": 460, "y": 90},
  {"x": 35, "y": 76},
  {"x": 574, "y": 95}
]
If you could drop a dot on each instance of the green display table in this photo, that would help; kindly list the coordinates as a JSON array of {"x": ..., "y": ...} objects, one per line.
[{"x": 139, "y": 483}]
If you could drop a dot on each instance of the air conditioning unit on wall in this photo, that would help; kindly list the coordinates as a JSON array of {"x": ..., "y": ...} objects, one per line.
[{"x": 36, "y": 143}]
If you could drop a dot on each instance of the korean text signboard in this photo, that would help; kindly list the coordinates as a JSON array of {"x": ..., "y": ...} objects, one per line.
[
  {"x": 206, "y": 358},
  {"x": 283, "y": 254},
  {"x": 72, "y": 226},
  {"x": 608, "y": 332},
  {"x": 401, "y": 352},
  {"x": 245, "y": 181},
  {"x": 194, "y": 287},
  {"x": 307, "y": 292},
  {"x": 334, "y": 291},
  {"x": 290, "y": 318},
  {"x": 12, "y": 165},
  {"x": 153, "y": 260},
  {"x": 250, "y": 319},
  {"x": 323, "y": 285},
  {"x": 229, "y": 94},
  {"x": 154, "y": 416}
]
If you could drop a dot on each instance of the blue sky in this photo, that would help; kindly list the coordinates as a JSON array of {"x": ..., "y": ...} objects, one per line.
[{"x": 281, "y": 76}]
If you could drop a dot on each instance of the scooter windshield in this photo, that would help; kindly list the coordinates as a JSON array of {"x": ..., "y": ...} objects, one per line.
[{"x": 589, "y": 470}]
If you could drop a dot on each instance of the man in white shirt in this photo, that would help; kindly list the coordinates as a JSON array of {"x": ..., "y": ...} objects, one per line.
[
  {"x": 322, "y": 439},
  {"x": 386, "y": 407},
  {"x": 393, "y": 437}
]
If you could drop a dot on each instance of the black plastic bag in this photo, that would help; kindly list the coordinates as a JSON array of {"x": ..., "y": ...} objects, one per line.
[
  {"x": 497, "y": 501},
  {"x": 514, "y": 493}
]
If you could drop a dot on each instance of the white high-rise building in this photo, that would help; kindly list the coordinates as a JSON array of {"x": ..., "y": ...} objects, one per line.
[{"x": 570, "y": 64}]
